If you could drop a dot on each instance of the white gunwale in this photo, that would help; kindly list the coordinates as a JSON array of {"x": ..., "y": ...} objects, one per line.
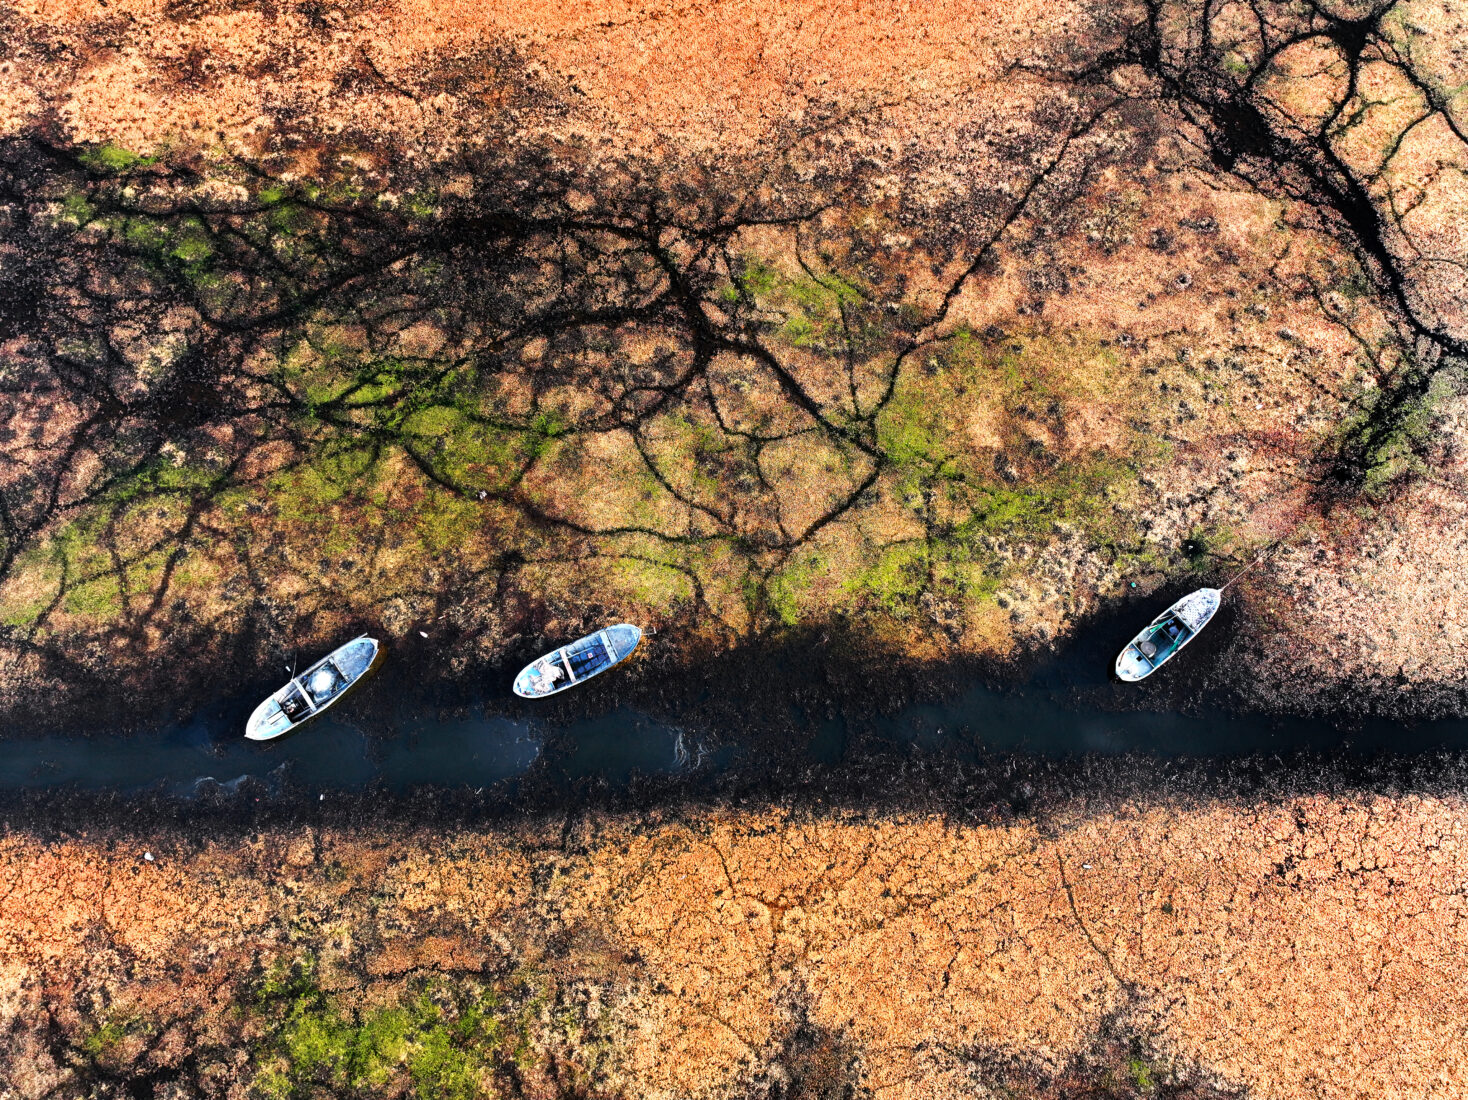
[
  {"x": 299, "y": 683},
  {"x": 530, "y": 677},
  {"x": 1195, "y": 611}
]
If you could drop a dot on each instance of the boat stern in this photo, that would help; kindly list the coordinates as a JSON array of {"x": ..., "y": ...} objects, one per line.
[
  {"x": 267, "y": 721},
  {"x": 1131, "y": 666},
  {"x": 534, "y": 682}
]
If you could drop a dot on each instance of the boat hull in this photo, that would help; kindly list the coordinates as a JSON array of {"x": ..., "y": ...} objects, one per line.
[
  {"x": 577, "y": 662},
  {"x": 314, "y": 691},
  {"x": 1189, "y": 615}
]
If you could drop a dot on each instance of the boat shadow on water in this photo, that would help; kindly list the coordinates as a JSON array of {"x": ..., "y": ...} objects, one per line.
[{"x": 815, "y": 714}]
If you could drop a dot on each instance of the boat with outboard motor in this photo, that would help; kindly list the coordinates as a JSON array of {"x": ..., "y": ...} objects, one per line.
[
  {"x": 308, "y": 694},
  {"x": 575, "y": 663},
  {"x": 1165, "y": 635}
]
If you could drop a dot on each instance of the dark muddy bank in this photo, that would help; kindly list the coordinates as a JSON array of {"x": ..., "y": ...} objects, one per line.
[
  {"x": 874, "y": 782},
  {"x": 816, "y": 721},
  {"x": 776, "y": 687}
]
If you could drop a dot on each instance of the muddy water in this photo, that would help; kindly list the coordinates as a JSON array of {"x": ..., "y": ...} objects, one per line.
[{"x": 386, "y": 739}]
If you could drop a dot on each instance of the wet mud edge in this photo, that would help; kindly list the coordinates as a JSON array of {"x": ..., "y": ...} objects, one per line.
[{"x": 768, "y": 701}]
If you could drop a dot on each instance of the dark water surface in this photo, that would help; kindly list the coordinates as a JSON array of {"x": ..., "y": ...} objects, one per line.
[{"x": 1067, "y": 705}]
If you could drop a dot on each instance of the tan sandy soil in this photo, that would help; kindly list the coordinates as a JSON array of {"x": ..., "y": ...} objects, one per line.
[
  {"x": 1373, "y": 593},
  {"x": 1313, "y": 948},
  {"x": 649, "y": 76},
  {"x": 1392, "y": 608}
]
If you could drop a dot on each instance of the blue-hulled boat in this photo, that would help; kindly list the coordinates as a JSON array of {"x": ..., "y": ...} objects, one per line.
[
  {"x": 1165, "y": 635},
  {"x": 308, "y": 694},
  {"x": 575, "y": 663}
]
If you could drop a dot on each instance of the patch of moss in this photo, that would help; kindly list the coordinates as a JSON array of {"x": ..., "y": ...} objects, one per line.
[
  {"x": 1236, "y": 64},
  {"x": 102, "y": 1042},
  {"x": 654, "y": 584},
  {"x": 1382, "y": 443},
  {"x": 468, "y": 450},
  {"x": 23, "y": 614},
  {"x": 444, "y": 521},
  {"x": 1351, "y": 283},
  {"x": 546, "y": 426},
  {"x": 788, "y": 588},
  {"x": 332, "y": 473},
  {"x": 690, "y": 454},
  {"x": 77, "y": 210},
  {"x": 114, "y": 159},
  {"x": 437, "y": 1042},
  {"x": 192, "y": 248},
  {"x": 147, "y": 235},
  {"x": 758, "y": 277},
  {"x": 441, "y": 1069},
  {"x": 1142, "y": 1075},
  {"x": 285, "y": 219},
  {"x": 1075, "y": 492},
  {"x": 894, "y": 580},
  {"x": 163, "y": 477},
  {"x": 183, "y": 247},
  {"x": 911, "y": 432},
  {"x": 100, "y": 598},
  {"x": 811, "y": 304},
  {"x": 102, "y": 1039},
  {"x": 421, "y": 205}
]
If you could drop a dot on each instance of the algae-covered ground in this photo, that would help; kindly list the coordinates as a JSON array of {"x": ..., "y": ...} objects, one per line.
[{"x": 447, "y": 333}]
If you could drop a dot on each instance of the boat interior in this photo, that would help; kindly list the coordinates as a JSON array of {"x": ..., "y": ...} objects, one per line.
[
  {"x": 569, "y": 665},
  {"x": 587, "y": 656},
  {"x": 324, "y": 681},
  {"x": 293, "y": 702},
  {"x": 1162, "y": 638}
]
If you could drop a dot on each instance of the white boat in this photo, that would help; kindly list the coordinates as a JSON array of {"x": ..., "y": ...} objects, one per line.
[
  {"x": 308, "y": 694},
  {"x": 1165, "y": 635},
  {"x": 575, "y": 663}
]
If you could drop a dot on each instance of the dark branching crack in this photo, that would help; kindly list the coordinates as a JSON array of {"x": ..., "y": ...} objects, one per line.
[{"x": 1216, "y": 66}]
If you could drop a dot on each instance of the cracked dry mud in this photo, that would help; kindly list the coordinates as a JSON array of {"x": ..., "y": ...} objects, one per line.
[
  {"x": 1312, "y": 948},
  {"x": 942, "y": 322}
]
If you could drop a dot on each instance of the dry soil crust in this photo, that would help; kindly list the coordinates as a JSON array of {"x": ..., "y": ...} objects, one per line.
[{"x": 1310, "y": 947}]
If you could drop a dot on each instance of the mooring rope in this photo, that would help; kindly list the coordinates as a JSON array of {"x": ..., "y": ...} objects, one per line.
[{"x": 1251, "y": 565}]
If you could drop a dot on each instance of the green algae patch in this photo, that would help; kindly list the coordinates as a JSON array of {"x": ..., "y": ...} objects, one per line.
[
  {"x": 444, "y": 1054},
  {"x": 814, "y": 304},
  {"x": 105, "y": 1038},
  {"x": 417, "y": 396},
  {"x": 788, "y": 589},
  {"x": 981, "y": 452},
  {"x": 114, "y": 159},
  {"x": 115, "y": 553},
  {"x": 314, "y": 1042},
  {"x": 435, "y": 1039},
  {"x": 1382, "y": 443}
]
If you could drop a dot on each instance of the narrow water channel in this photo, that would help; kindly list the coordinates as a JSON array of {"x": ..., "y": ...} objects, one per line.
[{"x": 1066, "y": 706}]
